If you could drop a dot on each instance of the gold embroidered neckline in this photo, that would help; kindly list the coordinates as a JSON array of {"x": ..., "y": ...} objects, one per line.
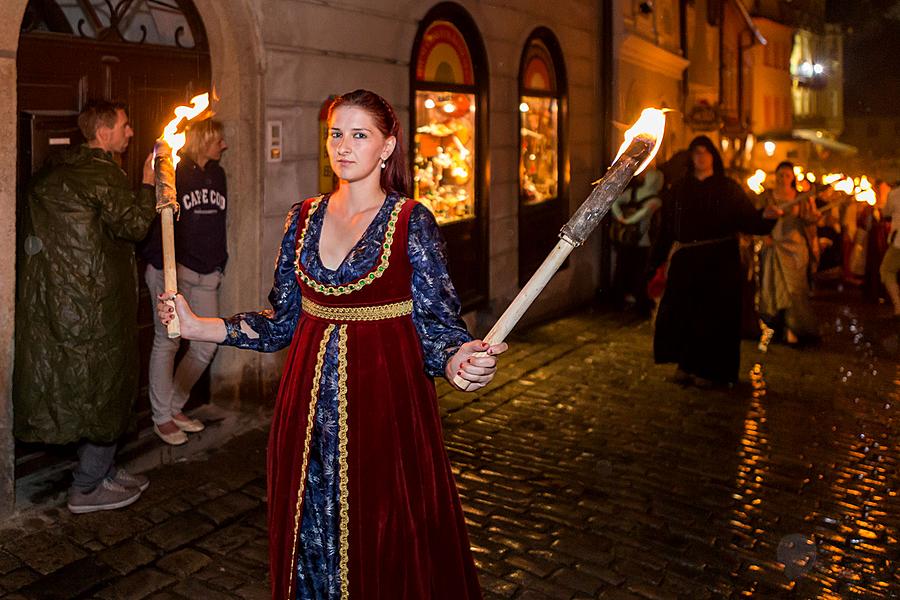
[{"x": 374, "y": 274}]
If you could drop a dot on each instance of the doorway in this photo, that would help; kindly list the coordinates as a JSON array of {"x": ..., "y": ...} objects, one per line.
[{"x": 150, "y": 54}]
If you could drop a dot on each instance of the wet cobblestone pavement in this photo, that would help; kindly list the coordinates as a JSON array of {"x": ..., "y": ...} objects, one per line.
[{"x": 585, "y": 473}]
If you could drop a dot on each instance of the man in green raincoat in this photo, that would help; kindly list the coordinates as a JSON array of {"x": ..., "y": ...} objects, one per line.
[{"x": 76, "y": 369}]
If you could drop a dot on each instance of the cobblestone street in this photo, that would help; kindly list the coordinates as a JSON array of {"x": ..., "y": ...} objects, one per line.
[{"x": 584, "y": 472}]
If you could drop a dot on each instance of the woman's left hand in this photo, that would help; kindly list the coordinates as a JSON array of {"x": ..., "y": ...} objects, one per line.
[{"x": 476, "y": 371}]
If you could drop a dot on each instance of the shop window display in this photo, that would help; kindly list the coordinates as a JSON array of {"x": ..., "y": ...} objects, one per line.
[
  {"x": 538, "y": 169},
  {"x": 444, "y": 164},
  {"x": 539, "y": 122},
  {"x": 448, "y": 145}
]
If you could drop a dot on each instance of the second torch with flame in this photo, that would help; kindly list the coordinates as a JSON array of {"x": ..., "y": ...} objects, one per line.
[
  {"x": 165, "y": 159},
  {"x": 639, "y": 148}
]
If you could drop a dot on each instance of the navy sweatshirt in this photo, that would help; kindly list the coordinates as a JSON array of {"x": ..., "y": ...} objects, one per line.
[{"x": 200, "y": 243}]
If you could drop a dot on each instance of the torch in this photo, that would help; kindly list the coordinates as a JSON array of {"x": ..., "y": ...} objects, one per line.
[
  {"x": 639, "y": 148},
  {"x": 165, "y": 159}
]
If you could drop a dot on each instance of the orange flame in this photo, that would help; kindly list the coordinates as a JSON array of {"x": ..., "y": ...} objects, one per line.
[
  {"x": 845, "y": 185},
  {"x": 171, "y": 135},
  {"x": 867, "y": 196},
  {"x": 755, "y": 181},
  {"x": 652, "y": 123}
]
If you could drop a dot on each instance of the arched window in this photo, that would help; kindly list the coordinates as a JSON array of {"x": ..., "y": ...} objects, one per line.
[
  {"x": 444, "y": 165},
  {"x": 542, "y": 156},
  {"x": 448, "y": 113},
  {"x": 539, "y": 126},
  {"x": 159, "y": 22}
]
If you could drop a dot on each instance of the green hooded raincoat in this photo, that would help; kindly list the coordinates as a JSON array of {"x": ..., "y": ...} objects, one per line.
[{"x": 76, "y": 369}]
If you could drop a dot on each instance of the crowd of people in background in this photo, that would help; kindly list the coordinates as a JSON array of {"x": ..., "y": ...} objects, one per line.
[{"x": 712, "y": 262}]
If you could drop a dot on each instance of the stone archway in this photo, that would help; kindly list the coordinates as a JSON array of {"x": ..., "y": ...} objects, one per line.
[{"x": 236, "y": 53}]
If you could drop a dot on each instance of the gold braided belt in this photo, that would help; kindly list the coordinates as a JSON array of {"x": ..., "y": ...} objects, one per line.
[{"x": 376, "y": 312}]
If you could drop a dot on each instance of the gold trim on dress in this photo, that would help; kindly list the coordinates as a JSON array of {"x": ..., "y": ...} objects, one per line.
[
  {"x": 344, "y": 458},
  {"x": 376, "y": 271},
  {"x": 311, "y": 417},
  {"x": 375, "y": 312}
]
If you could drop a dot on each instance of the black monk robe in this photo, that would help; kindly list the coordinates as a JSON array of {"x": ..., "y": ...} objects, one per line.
[{"x": 699, "y": 318}]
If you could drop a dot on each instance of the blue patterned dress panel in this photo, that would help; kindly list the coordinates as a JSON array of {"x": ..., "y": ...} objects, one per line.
[
  {"x": 436, "y": 305},
  {"x": 276, "y": 326},
  {"x": 318, "y": 558}
]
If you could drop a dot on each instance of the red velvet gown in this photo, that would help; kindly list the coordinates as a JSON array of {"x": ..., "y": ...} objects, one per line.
[{"x": 402, "y": 533}]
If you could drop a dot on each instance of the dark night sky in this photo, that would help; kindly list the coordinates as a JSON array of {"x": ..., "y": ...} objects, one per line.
[{"x": 871, "y": 54}]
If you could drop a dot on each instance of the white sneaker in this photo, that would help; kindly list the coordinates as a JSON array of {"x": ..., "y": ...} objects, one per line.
[
  {"x": 109, "y": 495},
  {"x": 126, "y": 479}
]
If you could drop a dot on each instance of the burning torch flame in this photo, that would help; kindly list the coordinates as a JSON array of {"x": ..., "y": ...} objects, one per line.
[
  {"x": 832, "y": 178},
  {"x": 845, "y": 186},
  {"x": 171, "y": 135},
  {"x": 864, "y": 183},
  {"x": 651, "y": 124},
  {"x": 867, "y": 196},
  {"x": 755, "y": 182}
]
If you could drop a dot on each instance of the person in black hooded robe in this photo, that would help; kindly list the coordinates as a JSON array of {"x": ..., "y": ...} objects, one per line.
[{"x": 699, "y": 318}]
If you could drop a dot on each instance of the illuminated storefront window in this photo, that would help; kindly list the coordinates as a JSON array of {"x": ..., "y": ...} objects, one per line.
[
  {"x": 542, "y": 156},
  {"x": 448, "y": 105},
  {"x": 444, "y": 160},
  {"x": 539, "y": 123}
]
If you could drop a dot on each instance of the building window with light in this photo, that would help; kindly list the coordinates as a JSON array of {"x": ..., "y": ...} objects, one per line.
[
  {"x": 542, "y": 161},
  {"x": 444, "y": 162},
  {"x": 448, "y": 149},
  {"x": 539, "y": 127}
]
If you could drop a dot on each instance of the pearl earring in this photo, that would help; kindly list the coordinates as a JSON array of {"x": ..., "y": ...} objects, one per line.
[{"x": 383, "y": 164}]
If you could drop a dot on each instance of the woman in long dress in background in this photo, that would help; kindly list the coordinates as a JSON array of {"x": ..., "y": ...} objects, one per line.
[{"x": 785, "y": 262}]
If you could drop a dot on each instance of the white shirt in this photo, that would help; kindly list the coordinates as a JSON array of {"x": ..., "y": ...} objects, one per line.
[{"x": 892, "y": 210}]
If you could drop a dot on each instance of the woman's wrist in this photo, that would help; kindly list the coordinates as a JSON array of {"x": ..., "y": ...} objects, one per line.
[{"x": 203, "y": 329}]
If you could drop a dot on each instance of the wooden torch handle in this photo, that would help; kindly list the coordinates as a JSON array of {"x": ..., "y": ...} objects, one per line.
[
  {"x": 170, "y": 276},
  {"x": 522, "y": 302}
]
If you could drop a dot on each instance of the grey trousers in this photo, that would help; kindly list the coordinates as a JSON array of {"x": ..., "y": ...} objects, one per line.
[
  {"x": 170, "y": 387},
  {"x": 96, "y": 462}
]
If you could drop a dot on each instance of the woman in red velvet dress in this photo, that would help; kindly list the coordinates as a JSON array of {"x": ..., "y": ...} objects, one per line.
[{"x": 362, "y": 502}]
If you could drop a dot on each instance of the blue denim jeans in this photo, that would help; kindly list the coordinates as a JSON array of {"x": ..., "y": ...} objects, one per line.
[{"x": 95, "y": 463}]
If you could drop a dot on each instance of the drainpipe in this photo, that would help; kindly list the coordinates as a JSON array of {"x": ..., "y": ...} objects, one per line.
[
  {"x": 685, "y": 88},
  {"x": 721, "y": 54},
  {"x": 605, "y": 89}
]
